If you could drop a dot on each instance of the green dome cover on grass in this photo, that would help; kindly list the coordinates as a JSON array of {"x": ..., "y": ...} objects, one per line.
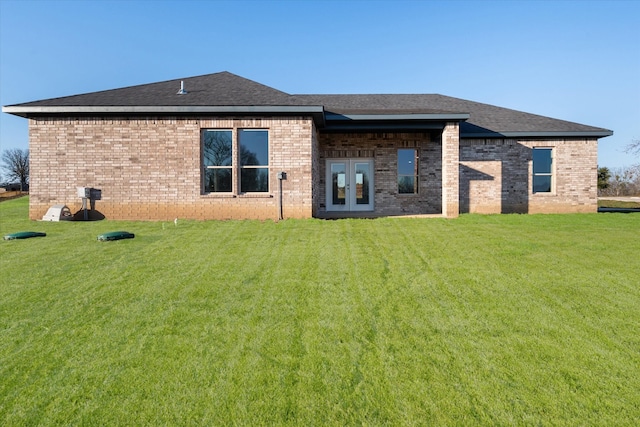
[
  {"x": 115, "y": 235},
  {"x": 24, "y": 235}
]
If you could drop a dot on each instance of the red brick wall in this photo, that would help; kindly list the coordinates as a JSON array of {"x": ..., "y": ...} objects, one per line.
[
  {"x": 150, "y": 168},
  {"x": 450, "y": 170},
  {"x": 483, "y": 176},
  {"x": 495, "y": 176},
  {"x": 383, "y": 149}
]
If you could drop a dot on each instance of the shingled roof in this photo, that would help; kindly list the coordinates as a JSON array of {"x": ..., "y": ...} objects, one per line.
[
  {"x": 484, "y": 119},
  {"x": 219, "y": 89},
  {"x": 227, "y": 93}
]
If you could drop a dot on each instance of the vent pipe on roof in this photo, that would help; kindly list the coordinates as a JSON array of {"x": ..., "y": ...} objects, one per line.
[{"x": 182, "y": 91}]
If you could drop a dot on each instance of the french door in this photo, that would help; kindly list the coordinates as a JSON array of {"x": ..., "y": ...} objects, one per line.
[{"x": 349, "y": 185}]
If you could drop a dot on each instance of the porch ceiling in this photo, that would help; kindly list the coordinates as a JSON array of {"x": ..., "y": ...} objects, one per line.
[{"x": 398, "y": 120}]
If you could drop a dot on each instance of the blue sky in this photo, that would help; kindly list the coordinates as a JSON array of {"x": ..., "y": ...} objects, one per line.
[{"x": 572, "y": 60}]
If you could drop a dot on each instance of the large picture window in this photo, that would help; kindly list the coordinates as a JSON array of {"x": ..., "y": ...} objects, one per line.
[
  {"x": 542, "y": 170},
  {"x": 408, "y": 171},
  {"x": 230, "y": 156}
]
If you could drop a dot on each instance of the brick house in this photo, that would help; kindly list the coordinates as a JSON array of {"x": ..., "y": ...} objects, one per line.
[{"x": 214, "y": 147}]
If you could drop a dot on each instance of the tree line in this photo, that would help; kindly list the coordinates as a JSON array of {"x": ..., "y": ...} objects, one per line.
[{"x": 623, "y": 181}]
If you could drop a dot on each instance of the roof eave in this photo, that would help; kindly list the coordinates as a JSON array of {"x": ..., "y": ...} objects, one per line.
[
  {"x": 27, "y": 111},
  {"x": 550, "y": 134},
  {"x": 389, "y": 122},
  {"x": 384, "y": 127},
  {"x": 397, "y": 117}
]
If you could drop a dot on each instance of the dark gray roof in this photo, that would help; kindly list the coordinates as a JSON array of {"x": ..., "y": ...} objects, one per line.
[
  {"x": 219, "y": 89},
  {"x": 483, "y": 118},
  {"x": 228, "y": 93}
]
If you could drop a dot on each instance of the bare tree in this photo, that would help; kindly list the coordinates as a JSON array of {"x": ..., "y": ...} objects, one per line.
[
  {"x": 217, "y": 149},
  {"x": 623, "y": 181},
  {"x": 633, "y": 147},
  {"x": 16, "y": 165}
]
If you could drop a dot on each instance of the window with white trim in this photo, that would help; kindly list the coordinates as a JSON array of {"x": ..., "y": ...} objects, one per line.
[
  {"x": 235, "y": 161},
  {"x": 542, "y": 170}
]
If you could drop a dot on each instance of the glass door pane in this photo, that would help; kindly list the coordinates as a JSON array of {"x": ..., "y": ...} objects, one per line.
[
  {"x": 349, "y": 185},
  {"x": 362, "y": 173},
  {"x": 338, "y": 183}
]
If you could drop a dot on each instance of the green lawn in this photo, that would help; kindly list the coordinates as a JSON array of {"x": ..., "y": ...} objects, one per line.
[{"x": 482, "y": 320}]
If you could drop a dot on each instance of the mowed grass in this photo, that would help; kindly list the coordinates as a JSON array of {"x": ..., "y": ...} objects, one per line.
[{"x": 482, "y": 320}]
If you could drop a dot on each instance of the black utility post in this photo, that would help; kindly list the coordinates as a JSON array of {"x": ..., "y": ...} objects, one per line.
[
  {"x": 281, "y": 176},
  {"x": 84, "y": 193},
  {"x": 90, "y": 194}
]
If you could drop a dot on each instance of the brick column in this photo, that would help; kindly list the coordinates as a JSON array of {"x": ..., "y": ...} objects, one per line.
[{"x": 450, "y": 170}]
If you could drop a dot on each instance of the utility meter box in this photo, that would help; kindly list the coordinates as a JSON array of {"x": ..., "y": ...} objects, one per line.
[
  {"x": 84, "y": 192},
  {"x": 58, "y": 213},
  {"x": 95, "y": 194}
]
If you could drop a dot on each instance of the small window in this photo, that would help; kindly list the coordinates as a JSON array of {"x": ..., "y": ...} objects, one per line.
[
  {"x": 217, "y": 160},
  {"x": 408, "y": 168},
  {"x": 542, "y": 170},
  {"x": 254, "y": 160}
]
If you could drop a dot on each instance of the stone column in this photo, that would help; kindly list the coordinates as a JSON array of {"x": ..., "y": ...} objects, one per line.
[{"x": 451, "y": 170}]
